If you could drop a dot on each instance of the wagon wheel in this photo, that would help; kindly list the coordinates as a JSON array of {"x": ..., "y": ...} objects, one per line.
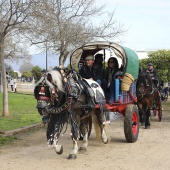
[
  {"x": 89, "y": 120},
  {"x": 131, "y": 123},
  {"x": 159, "y": 105}
]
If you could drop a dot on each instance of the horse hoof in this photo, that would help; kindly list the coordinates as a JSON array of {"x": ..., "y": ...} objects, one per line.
[
  {"x": 61, "y": 151},
  {"x": 82, "y": 149},
  {"x": 72, "y": 156},
  {"x": 147, "y": 127},
  {"x": 105, "y": 142}
]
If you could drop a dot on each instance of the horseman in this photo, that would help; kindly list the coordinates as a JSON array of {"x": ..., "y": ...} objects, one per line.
[{"x": 154, "y": 76}]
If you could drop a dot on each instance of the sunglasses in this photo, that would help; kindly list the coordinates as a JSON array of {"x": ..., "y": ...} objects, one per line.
[{"x": 111, "y": 61}]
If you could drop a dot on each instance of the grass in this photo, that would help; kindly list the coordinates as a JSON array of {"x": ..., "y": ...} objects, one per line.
[{"x": 22, "y": 110}]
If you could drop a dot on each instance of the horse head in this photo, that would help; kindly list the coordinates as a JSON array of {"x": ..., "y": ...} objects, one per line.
[
  {"x": 143, "y": 85},
  {"x": 48, "y": 91}
]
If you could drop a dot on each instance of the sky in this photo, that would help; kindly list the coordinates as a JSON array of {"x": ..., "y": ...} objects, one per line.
[{"x": 147, "y": 22}]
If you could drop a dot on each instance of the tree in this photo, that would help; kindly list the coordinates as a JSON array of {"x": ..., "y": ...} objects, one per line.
[
  {"x": 61, "y": 25},
  {"x": 27, "y": 74},
  {"x": 13, "y": 14},
  {"x": 36, "y": 72},
  {"x": 161, "y": 62}
]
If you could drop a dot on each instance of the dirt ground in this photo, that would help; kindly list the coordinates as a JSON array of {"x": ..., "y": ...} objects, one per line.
[{"x": 150, "y": 152}]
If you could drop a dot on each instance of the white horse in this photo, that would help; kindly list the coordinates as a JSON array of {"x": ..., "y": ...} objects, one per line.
[{"x": 61, "y": 108}]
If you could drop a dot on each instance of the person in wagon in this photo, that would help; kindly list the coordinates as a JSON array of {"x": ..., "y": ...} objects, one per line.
[
  {"x": 152, "y": 72},
  {"x": 89, "y": 71},
  {"x": 98, "y": 62},
  {"x": 108, "y": 83}
]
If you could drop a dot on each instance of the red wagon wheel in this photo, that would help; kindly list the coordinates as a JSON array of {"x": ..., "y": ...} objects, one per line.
[{"x": 131, "y": 123}]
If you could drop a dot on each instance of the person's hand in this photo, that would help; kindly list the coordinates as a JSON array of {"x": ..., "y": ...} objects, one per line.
[
  {"x": 90, "y": 78},
  {"x": 153, "y": 78},
  {"x": 108, "y": 85}
]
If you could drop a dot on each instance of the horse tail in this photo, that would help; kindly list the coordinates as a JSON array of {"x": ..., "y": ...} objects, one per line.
[
  {"x": 99, "y": 127},
  {"x": 96, "y": 126},
  {"x": 106, "y": 129}
]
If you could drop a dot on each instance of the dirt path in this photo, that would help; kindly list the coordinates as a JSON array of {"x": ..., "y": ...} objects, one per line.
[{"x": 150, "y": 152}]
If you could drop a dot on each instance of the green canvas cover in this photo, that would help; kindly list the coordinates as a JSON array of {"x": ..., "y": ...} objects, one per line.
[{"x": 132, "y": 65}]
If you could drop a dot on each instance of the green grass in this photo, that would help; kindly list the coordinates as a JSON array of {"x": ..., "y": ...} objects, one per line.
[{"x": 22, "y": 112}]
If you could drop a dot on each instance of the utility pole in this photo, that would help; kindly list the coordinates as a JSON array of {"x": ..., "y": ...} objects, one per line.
[{"x": 46, "y": 57}]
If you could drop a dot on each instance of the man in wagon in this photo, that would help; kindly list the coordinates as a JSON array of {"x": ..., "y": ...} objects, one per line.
[
  {"x": 88, "y": 71},
  {"x": 152, "y": 72}
]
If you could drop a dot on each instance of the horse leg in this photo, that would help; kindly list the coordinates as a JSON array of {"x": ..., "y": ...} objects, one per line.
[
  {"x": 141, "y": 116},
  {"x": 73, "y": 153},
  {"x": 75, "y": 122},
  {"x": 84, "y": 132},
  {"x": 53, "y": 132},
  {"x": 147, "y": 121},
  {"x": 58, "y": 148}
]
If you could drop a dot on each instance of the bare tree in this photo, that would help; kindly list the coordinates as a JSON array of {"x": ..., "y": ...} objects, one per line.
[
  {"x": 13, "y": 14},
  {"x": 15, "y": 49},
  {"x": 63, "y": 24}
]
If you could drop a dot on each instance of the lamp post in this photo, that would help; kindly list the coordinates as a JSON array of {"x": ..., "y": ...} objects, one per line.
[{"x": 46, "y": 57}]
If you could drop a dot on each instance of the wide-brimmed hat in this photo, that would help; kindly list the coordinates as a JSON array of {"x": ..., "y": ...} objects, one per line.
[
  {"x": 90, "y": 57},
  {"x": 150, "y": 64}
]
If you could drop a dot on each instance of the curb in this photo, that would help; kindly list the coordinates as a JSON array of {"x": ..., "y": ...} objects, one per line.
[{"x": 24, "y": 129}]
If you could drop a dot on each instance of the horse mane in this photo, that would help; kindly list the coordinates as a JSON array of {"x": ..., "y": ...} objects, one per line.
[{"x": 56, "y": 79}]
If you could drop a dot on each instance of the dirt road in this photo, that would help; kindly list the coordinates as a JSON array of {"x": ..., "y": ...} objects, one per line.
[{"x": 150, "y": 152}]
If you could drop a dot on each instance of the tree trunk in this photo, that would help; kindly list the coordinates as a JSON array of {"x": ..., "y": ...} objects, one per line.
[{"x": 5, "y": 111}]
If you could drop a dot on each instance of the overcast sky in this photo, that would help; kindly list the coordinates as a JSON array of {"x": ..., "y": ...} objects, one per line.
[{"x": 147, "y": 21}]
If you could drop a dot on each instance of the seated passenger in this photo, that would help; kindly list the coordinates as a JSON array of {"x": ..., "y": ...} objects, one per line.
[
  {"x": 108, "y": 83},
  {"x": 90, "y": 72},
  {"x": 98, "y": 60}
]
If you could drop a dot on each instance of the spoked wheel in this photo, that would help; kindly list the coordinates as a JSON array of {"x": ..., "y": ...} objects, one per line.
[
  {"x": 159, "y": 104},
  {"x": 131, "y": 123},
  {"x": 89, "y": 120}
]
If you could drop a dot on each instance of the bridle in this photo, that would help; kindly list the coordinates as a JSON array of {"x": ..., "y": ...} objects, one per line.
[{"x": 145, "y": 86}]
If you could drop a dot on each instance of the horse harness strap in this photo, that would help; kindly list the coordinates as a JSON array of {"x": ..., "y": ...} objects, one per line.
[{"x": 62, "y": 108}]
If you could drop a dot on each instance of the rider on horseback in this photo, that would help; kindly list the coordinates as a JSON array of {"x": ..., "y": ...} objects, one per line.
[{"x": 154, "y": 76}]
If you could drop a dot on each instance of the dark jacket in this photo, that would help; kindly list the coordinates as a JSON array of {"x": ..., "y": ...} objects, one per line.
[
  {"x": 91, "y": 72},
  {"x": 153, "y": 73},
  {"x": 106, "y": 75}
]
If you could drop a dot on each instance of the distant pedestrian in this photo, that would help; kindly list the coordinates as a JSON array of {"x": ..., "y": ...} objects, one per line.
[
  {"x": 12, "y": 84},
  {"x": 15, "y": 86}
]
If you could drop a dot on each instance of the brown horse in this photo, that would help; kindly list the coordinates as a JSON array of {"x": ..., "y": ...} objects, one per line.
[
  {"x": 54, "y": 101},
  {"x": 147, "y": 95}
]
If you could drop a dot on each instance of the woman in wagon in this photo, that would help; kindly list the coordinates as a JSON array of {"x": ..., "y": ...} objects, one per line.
[
  {"x": 88, "y": 71},
  {"x": 108, "y": 83}
]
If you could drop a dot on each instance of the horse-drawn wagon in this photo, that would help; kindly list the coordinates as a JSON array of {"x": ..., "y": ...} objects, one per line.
[
  {"x": 55, "y": 98},
  {"x": 125, "y": 82}
]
